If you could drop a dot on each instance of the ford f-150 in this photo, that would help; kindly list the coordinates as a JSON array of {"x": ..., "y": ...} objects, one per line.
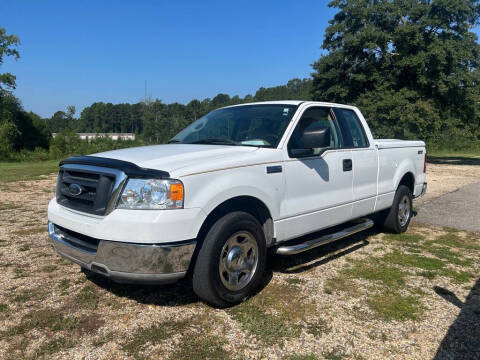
[{"x": 235, "y": 183}]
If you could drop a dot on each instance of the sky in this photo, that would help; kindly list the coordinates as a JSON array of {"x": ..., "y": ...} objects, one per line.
[{"x": 80, "y": 52}]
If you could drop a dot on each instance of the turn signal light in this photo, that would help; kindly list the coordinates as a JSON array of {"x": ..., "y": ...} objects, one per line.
[{"x": 176, "y": 192}]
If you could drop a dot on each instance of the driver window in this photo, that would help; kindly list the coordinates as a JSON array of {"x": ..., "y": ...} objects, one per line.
[{"x": 318, "y": 117}]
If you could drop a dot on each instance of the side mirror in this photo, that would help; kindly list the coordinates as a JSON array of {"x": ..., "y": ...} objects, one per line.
[
  {"x": 316, "y": 137},
  {"x": 313, "y": 137}
]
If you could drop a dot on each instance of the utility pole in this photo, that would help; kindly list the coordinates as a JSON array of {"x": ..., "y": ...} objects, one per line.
[{"x": 145, "y": 92}]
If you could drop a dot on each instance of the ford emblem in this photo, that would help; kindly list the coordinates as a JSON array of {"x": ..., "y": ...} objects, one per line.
[{"x": 75, "y": 189}]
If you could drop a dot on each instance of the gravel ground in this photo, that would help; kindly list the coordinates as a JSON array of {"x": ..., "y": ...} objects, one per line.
[{"x": 370, "y": 296}]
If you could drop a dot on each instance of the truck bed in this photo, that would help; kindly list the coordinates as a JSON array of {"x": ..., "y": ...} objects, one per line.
[{"x": 396, "y": 143}]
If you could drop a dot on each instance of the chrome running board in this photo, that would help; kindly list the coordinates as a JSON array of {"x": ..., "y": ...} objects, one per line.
[{"x": 362, "y": 224}]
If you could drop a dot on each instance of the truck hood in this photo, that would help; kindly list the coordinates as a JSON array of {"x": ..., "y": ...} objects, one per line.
[{"x": 176, "y": 157}]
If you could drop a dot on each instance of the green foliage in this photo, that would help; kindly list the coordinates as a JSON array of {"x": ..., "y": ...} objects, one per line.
[
  {"x": 412, "y": 66},
  {"x": 19, "y": 130},
  {"x": 7, "y": 48}
]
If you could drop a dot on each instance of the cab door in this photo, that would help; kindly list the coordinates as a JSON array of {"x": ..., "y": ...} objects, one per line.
[
  {"x": 364, "y": 161},
  {"x": 318, "y": 191}
]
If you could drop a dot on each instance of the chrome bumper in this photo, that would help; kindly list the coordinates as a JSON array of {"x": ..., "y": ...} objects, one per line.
[
  {"x": 125, "y": 262},
  {"x": 424, "y": 190}
]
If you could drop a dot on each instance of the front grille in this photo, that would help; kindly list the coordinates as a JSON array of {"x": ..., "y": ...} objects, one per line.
[{"x": 93, "y": 189}]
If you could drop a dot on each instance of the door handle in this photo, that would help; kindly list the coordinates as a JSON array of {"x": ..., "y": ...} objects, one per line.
[{"x": 347, "y": 164}]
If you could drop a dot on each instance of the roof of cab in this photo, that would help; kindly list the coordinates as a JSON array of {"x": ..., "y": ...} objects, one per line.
[{"x": 293, "y": 102}]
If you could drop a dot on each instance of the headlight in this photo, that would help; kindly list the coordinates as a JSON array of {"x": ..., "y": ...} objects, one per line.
[{"x": 152, "y": 194}]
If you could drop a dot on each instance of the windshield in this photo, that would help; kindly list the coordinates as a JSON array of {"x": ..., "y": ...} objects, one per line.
[{"x": 249, "y": 125}]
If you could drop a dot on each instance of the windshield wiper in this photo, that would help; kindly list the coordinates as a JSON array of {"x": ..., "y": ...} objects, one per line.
[
  {"x": 174, "y": 141},
  {"x": 215, "y": 141}
]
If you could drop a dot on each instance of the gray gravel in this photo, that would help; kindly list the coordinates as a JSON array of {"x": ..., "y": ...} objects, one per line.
[{"x": 459, "y": 209}]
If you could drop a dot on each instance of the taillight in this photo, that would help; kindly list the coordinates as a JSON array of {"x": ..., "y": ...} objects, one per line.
[{"x": 425, "y": 163}]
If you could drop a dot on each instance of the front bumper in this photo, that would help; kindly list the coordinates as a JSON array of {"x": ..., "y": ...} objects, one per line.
[{"x": 124, "y": 262}]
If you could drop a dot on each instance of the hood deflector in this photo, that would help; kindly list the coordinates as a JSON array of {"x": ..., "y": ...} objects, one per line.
[{"x": 128, "y": 168}]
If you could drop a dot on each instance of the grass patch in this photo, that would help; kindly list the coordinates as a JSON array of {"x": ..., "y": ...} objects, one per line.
[
  {"x": 396, "y": 307},
  {"x": 190, "y": 345},
  {"x": 445, "y": 253},
  {"x": 4, "y": 206},
  {"x": 42, "y": 319},
  {"x": 460, "y": 277},
  {"x": 27, "y": 170},
  {"x": 333, "y": 355},
  {"x": 152, "y": 335},
  {"x": 274, "y": 313},
  {"x": 406, "y": 238},
  {"x": 377, "y": 272},
  {"x": 340, "y": 283},
  {"x": 3, "y": 308},
  {"x": 103, "y": 339},
  {"x": 302, "y": 357},
  {"x": 53, "y": 346},
  {"x": 88, "y": 297},
  {"x": 49, "y": 268},
  {"x": 31, "y": 231},
  {"x": 200, "y": 348},
  {"x": 452, "y": 240},
  {"x": 427, "y": 274},
  {"x": 413, "y": 260},
  {"x": 20, "y": 273},
  {"x": 318, "y": 328},
  {"x": 64, "y": 285},
  {"x": 268, "y": 328},
  {"x": 27, "y": 295},
  {"x": 295, "y": 281},
  {"x": 432, "y": 154},
  {"x": 24, "y": 248}
]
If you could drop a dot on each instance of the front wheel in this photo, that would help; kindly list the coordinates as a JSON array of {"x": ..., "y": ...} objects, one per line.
[
  {"x": 231, "y": 261},
  {"x": 397, "y": 218}
]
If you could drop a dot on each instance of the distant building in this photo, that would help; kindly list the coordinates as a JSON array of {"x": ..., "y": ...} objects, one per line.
[{"x": 113, "y": 136}]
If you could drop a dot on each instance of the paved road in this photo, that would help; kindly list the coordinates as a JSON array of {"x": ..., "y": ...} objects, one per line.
[{"x": 459, "y": 209}]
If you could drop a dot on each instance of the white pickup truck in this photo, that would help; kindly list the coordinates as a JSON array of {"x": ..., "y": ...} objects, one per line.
[{"x": 236, "y": 182}]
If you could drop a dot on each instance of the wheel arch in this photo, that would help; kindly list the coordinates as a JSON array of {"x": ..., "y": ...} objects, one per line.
[
  {"x": 250, "y": 204},
  {"x": 408, "y": 179}
]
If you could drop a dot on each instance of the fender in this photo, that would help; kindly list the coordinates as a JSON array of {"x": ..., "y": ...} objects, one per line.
[
  {"x": 405, "y": 166},
  {"x": 209, "y": 190}
]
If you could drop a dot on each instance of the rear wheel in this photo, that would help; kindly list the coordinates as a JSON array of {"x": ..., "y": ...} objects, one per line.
[
  {"x": 231, "y": 261},
  {"x": 397, "y": 218}
]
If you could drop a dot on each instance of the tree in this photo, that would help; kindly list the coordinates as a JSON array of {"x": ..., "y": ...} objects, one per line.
[
  {"x": 7, "y": 48},
  {"x": 412, "y": 66}
]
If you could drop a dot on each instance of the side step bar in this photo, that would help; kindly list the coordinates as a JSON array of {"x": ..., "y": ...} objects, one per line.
[{"x": 363, "y": 224}]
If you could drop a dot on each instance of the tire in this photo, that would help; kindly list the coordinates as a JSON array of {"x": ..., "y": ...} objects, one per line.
[
  {"x": 231, "y": 262},
  {"x": 397, "y": 218}
]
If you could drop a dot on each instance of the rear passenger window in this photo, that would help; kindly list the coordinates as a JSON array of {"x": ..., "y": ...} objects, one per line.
[{"x": 351, "y": 128}]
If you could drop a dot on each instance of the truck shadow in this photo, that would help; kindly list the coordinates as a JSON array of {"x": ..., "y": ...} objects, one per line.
[
  {"x": 176, "y": 294},
  {"x": 463, "y": 337}
]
